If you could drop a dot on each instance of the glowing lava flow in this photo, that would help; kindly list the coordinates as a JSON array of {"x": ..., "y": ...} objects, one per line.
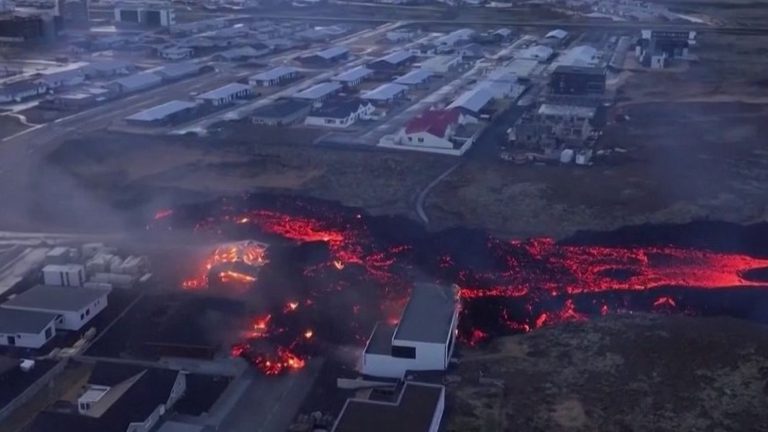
[
  {"x": 522, "y": 285},
  {"x": 541, "y": 266},
  {"x": 249, "y": 253}
]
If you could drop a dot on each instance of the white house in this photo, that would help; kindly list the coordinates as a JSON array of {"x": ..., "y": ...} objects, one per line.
[
  {"x": 176, "y": 53},
  {"x": 423, "y": 340},
  {"x": 64, "y": 275},
  {"x": 273, "y": 77},
  {"x": 416, "y": 407},
  {"x": 76, "y": 306},
  {"x": 26, "y": 329},
  {"x": 340, "y": 114},
  {"x": 433, "y": 129}
]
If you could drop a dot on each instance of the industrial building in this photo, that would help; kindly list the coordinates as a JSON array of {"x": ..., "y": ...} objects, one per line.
[
  {"x": 273, "y": 77},
  {"x": 577, "y": 80},
  {"x": 386, "y": 93},
  {"x": 283, "y": 112},
  {"x": 79, "y": 98},
  {"x": 18, "y": 27},
  {"x": 340, "y": 113},
  {"x": 118, "y": 397},
  {"x": 167, "y": 113},
  {"x": 64, "y": 275},
  {"x": 75, "y": 306},
  {"x": 657, "y": 47},
  {"x": 226, "y": 94},
  {"x": 318, "y": 92},
  {"x": 26, "y": 329},
  {"x": 554, "y": 126},
  {"x": 581, "y": 55},
  {"x": 353, "y": 77},
  {"x": 423, "y": 339},
  {"x": 414, "y": 407},
  {"x": 540, "y": 53},
  {"x": 150, "y": 13}
]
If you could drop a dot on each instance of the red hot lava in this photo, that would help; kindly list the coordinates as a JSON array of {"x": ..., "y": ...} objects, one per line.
[{"x": 542, "y": 275}]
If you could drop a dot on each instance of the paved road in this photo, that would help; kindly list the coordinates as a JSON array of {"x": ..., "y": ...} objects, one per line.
[
  {"x": 423, "y": 194},
  {"x": 271, "y": 403}
]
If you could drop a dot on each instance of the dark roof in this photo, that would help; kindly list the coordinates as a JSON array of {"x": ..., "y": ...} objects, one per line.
[
  {"x": 24, "y": 321},
  {"x": 19, "y": 87},
  {"x": 380, "y": 341},
  {"x": 435, "y": 122},
  {"x": 428, "y": 315},
  {"x": 412, "y": 412},
  {"x": 136, "y": 404},
  {"x": 280, "y": 108},
  {"x": 55, "y": 298},
  {"x": 584, "y": 70},
  {"x": 338, "y": 108}
]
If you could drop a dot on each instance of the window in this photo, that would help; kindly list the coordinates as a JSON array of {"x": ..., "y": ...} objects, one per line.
[
  {"x": 88, "y": 312},
  {"x": 48, "y": 333},
  {"x": 82, "y": 316},
  {"x": 421, "y": 139},
  {"x": 403, "y": 352}
]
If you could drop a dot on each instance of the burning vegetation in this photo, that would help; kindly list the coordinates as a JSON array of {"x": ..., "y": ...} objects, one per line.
[{"x": 335, "y": 273}]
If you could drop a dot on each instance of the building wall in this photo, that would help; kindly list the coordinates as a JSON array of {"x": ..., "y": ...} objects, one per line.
[
  {"x": 150, "y": 422},
  {"x": 178, "y": 390},
  {"x": 424, "y": 139},
  {"x": 384, "y": 366},
  {"x": 429, "y": 356},
  {"x": 330, "y": 122},
  {"x": 437, "y": 418},
  {"x": 29, "y": 340},
  {"x": 74, "y": 320}
]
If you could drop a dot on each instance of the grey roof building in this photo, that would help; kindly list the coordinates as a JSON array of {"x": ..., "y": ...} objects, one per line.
[
  {"x": 318, "y": 91},
  {"x": 428, "y": 315},
  {"x": 473, "y": 100},
  {"x": 353, "y": 76},
  {"x": 178, "y": 71},
  {"x": 14, "y": 321},
  {"x": 282, "y": 112},
  {"x": 136, "y": 82},
  {"x": 162, "y": 113},
  {"x": 385, "y": 92}
]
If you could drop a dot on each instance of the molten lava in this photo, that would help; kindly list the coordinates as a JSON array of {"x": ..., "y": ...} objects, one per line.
[{"x": 520, "y": 286}]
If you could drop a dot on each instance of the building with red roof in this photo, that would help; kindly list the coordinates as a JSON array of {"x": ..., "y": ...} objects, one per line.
[{"x": 435, "y": 129}]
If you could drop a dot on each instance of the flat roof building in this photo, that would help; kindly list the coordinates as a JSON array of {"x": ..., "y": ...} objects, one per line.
[
  {"x": 318, "y": 92},
  {"x": 442, "y": 63},
  {"x": 327, "y": 56},
  {"x": 415, "y": 77},
  {"x": 76, "y": 305},
  {"x": 283, "y": 112},
  {"x": 226, "y": 94},
  {"x": 386, "y": 93},
  {"x": 26, "y": 329},
  {"x": 340, "y": 113},
  {"x": 178, "y": 71},
  {"x": 354, "y": 76},
  {"x": 417, "y": 407},
  {"x": 163, "y": 114},
  {"x": 136, "y": 82},
  {"x": 423, "y": 339},
  {"x": 392, "y": 61},
  {"x": 474, "y": 100},
  {"x": 273, "y": 77}
]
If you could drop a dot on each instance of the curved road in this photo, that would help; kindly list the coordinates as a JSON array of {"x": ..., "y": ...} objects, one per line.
[{"x": 423, "y": 194}]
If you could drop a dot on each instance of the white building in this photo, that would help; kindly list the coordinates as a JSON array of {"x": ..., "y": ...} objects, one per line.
[
  {"x": 417, "y": 407},
  {"x": 26, "y": 329},
  {"x": 76, "y": 306},
  {"x": 150, "y": 13},
  {"x": 318, "y": 92},
  {"x": 226, "y": 94},
  {"x": 353, "y": 77},
  {"x": 423, "y": 340},
  {"x": 64, "y": 275},
  {"x": 65, "y": 78},
  {"x": 386, "y": 93},
  {"x": 340, "y": 114}
]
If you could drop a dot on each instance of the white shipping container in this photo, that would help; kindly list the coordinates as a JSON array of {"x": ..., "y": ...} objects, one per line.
[{"x": 64, "y": 275}]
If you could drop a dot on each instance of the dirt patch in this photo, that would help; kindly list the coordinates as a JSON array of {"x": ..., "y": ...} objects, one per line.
[
  {"x": 10, "y": 125},
  {"x": 620, "y": 373},
  {"x": 685, "y": 162}
]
